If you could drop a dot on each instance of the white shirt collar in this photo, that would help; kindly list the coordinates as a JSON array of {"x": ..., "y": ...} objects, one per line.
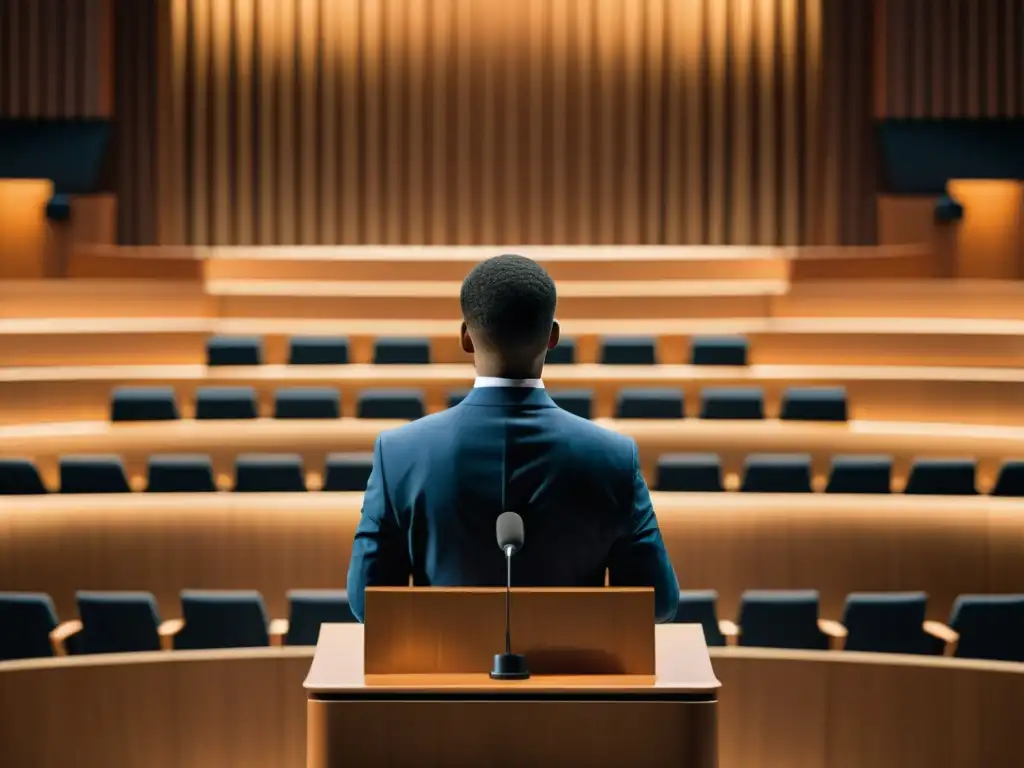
[{"x": 493, "y": 381}]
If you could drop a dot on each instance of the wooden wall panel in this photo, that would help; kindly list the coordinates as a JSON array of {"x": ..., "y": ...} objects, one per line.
[
  {"x": 494, "y": 122},
  {"x": 55, "y": 59},
  {"x": 950, "y": 58}
]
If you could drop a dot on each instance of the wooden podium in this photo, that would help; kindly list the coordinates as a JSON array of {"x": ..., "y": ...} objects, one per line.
[{"x": 608, "y": 688}]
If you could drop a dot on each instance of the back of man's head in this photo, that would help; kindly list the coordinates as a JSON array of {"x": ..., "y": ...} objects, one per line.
[{"x": 508, "y": 305}]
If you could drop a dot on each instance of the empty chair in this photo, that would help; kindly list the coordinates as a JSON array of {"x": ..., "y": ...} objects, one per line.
[
  {"x": 563, "y": 354},
  {"x": 701, "y": 607},
  {"x": 309, "y": 608},
  {"x": 989, "y": 627},
  {"x": 143, "y": 404},
  {"x": 777, "y": 473},
  {"x": 942, "y": 477},
  {"x": 19, "y": 477},
  {"x": 719, "y": 350},
  {"x": 228, "y": 619},
  {"x": 781, "y": 619},
  {"x": 269, "y": 473},
  {"x": 118, "y": 622},
  {"x": 860, "y": 474},
  {"x": 391, "y": 404},
  {"x": 180, "y": 473},
  {"x": 886, "y": 622},
  {"x": 649, "y": 404},
  {"x": 1009, "y": 483},
  {"x": 577, "y": 402},
  {"x": 732, "y": 403},
  {"x": 628, "y": 350},
  {"x": 26, "y": 621},
  {"x": 693, "y": 472},
  {"x": 347, "y": 471},
  {"x": 317, "y": 350},
  {"x": 454, "y": 398},
  {"x": 814, "y": 404},
  {"x": 92, "y": 474},
  {"x": 234, "y": 350},
  {"x": 307, "y": 403},
  {"x": 226, "y": 403},
  {"x": 401, "y": 352}
]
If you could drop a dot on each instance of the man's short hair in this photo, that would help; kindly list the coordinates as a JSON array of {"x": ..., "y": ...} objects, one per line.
[{"x": 510, "y": 300}]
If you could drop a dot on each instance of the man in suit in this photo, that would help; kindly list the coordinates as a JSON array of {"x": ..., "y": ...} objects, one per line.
[{"x": 438, "y": 484}]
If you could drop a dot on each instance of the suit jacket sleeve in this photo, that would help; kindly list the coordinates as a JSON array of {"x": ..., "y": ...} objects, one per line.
[
  {"x": 380, "y": 554},
  {"x": 639, "y": 558}
]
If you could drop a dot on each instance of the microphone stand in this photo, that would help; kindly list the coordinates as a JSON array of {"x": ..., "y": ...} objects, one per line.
[{"x": 508, "y": 665}]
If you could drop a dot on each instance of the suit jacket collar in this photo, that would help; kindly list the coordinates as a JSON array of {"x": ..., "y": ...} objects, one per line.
[{"x": 515, "y": 397}]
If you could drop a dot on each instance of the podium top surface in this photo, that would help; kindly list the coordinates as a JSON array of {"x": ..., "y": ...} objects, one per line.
[{"x": 682, "y": 666}]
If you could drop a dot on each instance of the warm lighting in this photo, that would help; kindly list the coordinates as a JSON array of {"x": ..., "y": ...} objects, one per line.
[
  {"x": 989, "y": 236},
  {"x": 23, "y": 227}
]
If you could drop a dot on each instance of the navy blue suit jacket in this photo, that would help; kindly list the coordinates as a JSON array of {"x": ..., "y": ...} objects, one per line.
[{"x": 436, "y": 491}]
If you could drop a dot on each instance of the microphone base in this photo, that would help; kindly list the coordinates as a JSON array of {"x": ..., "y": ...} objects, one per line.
[{"x": 510, "y": 666}]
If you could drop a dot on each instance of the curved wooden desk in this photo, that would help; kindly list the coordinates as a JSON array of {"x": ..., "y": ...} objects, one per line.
[
  {"x": 727, "y": 542},
  {"x": 247, "y": 708},
  {"x": 877, "y": 393}
]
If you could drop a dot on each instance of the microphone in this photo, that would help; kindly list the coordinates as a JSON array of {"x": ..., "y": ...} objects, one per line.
[{"x": 508, "y": 665}]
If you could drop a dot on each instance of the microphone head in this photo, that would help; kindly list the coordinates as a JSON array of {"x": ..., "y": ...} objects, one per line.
[{"x": 510, "y": 531}]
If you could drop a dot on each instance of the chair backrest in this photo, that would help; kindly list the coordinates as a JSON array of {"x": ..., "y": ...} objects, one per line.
[
  {"x": 309, "y": 608},
  {"x": 143, "y": 404},
  {"x": 990, "y": 627},
  {"x": 942, "y": 477},
  {"x": 226, "y": 403},
  {"x": 887, "y": 622},
  {"x": 318, "y": 350},
  {"x": 307, "y": 403},
  {"x": 701, "y": 607},
  {"x": 693, "y": 472},
  {"x": 269, "y": 473},
  {"x": 180, "y": 473},
  {"x": 732, "y": 403},
  {"x": 222, "y": 619},
  {"x": 814, "y": 404},
  {"x": 406, "y": 404},
  {"x": 93, "y": 474},
  {"x": 860, "y": 474},
  {"x": 649, "y": 404},
  {"x": 19, "y": 477},
  {"x": 563, "y": 354},
  {"x": 26, "y": 620},
  {"x": 629, "y": 350},
  {"x": 347, "y": 471},
  {"x": 405, "y": 351},
  {"x": 781, "y": 619},
  {"x": 1011, "y": 479},
  {"x": 777, "y": 473},
  {"x": 577, "y": 402},
  {"x": 719, "y": 350},
  {"x": 234, "y": 350},
  {"x": 118, "y": 622}
]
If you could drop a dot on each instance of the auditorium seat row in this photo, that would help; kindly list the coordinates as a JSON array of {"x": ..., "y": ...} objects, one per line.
[
  {"x": 694, "y": 473},
  {"x": 980, "y": 626},
  {"x": 328, "y": 350},
  {"x": 160, "y": 403}
]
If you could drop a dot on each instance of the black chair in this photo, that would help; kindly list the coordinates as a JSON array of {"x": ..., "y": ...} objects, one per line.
[
  {"x": 1011, "y": 479},
  {"x": 942, "y": 477},
  {"x": 118, "y": 622},
  {"x": 732, "y": 403},
  {"x": 814, "y": 404},
  {"x": 318, "y": 350},
  {"x": 629, "y": 350},
  {"x": 563, "y": 354},
  {"x": 781, "y": 619},
  {"x": 347, "y": 471},
  {"x": 226, "y": 403},
  {"x": 577, "y": 402},
  {"x": 701, "y": 607},
  {"x": 454, "y": 398},
  {"x": 880, "y": 622},
  {"x": 180, "y": 473},
  {"x": 26, "y": 621},
  {"x": 93, "y": 474},
  {"x": 19, "y": 477},
  {"x": 860, "y": 474},
  {"x": 404, "y": 404},
  {"x": 401, "y": 352},
  {"x": 309, "y": 608},
  {"x": 234, "y": 350},
  {"x": 990, "y": 627},
  {"x": 689, "y": 472},
  {"x": 649, "y": 404},
  {"x": 307, "y": 403},
  {"x": 777, "y": 473},
  {"x": 719, "y": 350},
  {"x": 143, "y": 404},
  {"x": 269, "y": 473},
  {"x": 222, "y": 619}
]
